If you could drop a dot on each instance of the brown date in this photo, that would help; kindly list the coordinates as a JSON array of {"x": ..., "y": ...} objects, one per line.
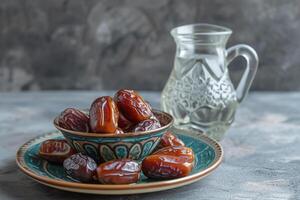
[
  {"x": 149, "y": 105},
  {"x": 81, "y": 167},
  {"x": 169, "y": 139},
  {"x": 104, "y": 115},
  {"x": 122, "y": 171},
  {"x": 132, "y": 105},
  {"x": 73, "y": 119},
  {"x": 146, "y": 125},
  {"x": 119, "y": 131},
  {"x": 123, "y": 122},
  {"x": 179, "y": 151},
  {"x": 55, "y": 150},
  {"x": 166, "y": 167}
]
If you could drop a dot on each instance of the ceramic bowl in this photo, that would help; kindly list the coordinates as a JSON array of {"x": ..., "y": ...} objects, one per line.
[{"x": 107, "y": 146}]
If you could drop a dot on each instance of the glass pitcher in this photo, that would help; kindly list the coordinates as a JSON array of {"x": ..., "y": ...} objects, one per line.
[{"x": 199, "y": 93}]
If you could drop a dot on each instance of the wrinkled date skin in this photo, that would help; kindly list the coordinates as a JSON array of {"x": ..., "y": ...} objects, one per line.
[
  {"x": 147, "y": 125},
  {"x": 179, "y": 151},
  {"x": 169, "y": 139},
  {"x": 55, "y": 150},
  {"x": 73, "y": 119},
  {"x": 165, "y": 167},
  {"x": 104, "y": 115},
  {"x": 124, "y": 123},
  {"x": 81, "y": 167},
  {"x": 132, "y": 105},
  {"x": 122, "y": 171}
]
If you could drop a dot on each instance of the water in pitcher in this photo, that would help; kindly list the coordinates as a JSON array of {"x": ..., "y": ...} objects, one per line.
[{"x": 200, "y": 95}]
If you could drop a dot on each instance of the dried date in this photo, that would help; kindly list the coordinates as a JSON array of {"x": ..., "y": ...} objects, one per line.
[
  {"x": 104, "y": 115},
  {"x": 169, "y": 139},
  {"x": 122, "y": 171},
  {"x": 179, "y": 151},
  {"x": 132, "y": 105},
  {"x": 123, "y": 122},
  {"x": 166, "y": 167},
  {"x": 74, "y": 119},
  {"x": 55, "y": 150},
  {"x": 81, "y": 167},
  {"x": 119, "y": 131},
  {"x": 147, "y": 125}
]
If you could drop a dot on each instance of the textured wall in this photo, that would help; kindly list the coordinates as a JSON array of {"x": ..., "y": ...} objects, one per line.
[{"x": 76, "y": 44}]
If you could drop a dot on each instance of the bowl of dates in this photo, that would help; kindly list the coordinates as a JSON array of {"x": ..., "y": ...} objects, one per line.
[{"x": 120, "y": 127}]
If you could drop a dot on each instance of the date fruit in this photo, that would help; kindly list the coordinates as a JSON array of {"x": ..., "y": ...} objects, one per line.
[
  {"x": 169, "y": 139},
  {"x": 55, "y": 150},
  {"x": 179, "y": 151},
  {"x": 123, "y": 122},
  {"x": 73, "y": 119},
  {"x": 166, "y": 167},
  {"x": 147, "y": 125},
  {"x": 132, "y": 105},
  {"x": 81, "y": 167},
  {"x": 119, "y": 131},
  {"x": 104, "y": 115},
  {"x": 122, "y": 171}
]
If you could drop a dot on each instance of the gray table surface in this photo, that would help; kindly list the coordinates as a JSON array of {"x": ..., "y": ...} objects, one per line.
[{"x": 262, "y": 148}]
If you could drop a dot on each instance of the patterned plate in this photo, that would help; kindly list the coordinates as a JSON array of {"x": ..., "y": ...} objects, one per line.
[{"x": 208, "y": 157}]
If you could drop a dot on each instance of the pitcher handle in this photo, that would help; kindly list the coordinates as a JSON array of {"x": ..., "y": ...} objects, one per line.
[{"x": 252, "y": 62}]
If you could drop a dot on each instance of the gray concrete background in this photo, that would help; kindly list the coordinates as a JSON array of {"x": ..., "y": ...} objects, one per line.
[{"x": 108, "y": 44}]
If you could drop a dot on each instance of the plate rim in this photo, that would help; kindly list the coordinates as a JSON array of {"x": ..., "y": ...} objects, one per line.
[{"x": 134, "y": 188}]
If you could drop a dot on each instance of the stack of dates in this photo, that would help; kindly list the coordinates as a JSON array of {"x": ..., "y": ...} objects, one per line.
[{"x": 126, "y": 112}]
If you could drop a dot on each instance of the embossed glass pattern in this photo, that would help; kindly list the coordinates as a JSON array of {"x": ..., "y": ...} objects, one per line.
[{"x": 199, "y": 93}]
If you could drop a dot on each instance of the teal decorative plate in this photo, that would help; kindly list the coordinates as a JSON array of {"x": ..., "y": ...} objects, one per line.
[{"x": 208, "y": 157}]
